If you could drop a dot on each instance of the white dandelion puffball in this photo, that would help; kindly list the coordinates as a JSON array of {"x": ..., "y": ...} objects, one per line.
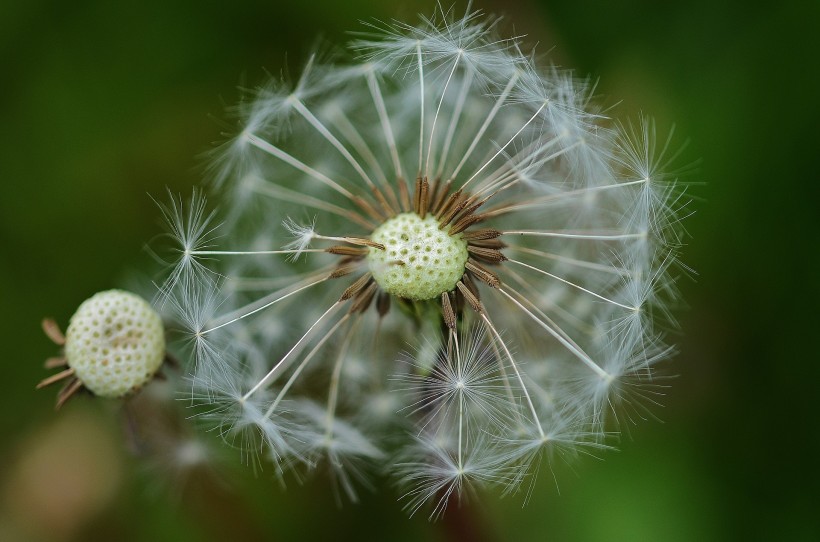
[
  {"x": 115, "y": 343},
  {"x": 436, "y": 258}
]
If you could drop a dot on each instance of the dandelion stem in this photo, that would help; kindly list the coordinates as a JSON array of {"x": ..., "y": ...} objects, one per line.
[
  {"x": 505, "y": 379},
  {"x": 301, "y": 166},
  {"x": 240, "y": 283},
  {"x": 507, "y": 144},
  {"x": 517, "y": 373},
  {"x": 421, "y": 104},
  {"x": 301, "y": 367},
  {"x": 532, "y": 163},
  {"x": 448, "y": 140},
  {"x": 378, "y": 100},
  {"x": 279, "y": 192},
  {"x": 570, "y": 283},
  {"x": 571, "y": 261},
  {"x": 353, "y": 135},
  {"x": 531, "y": 292},
  {"x": 506, "y": 170},
  {"x": 333, "y": 394},
  {"x": 556, "y": 198},
  {"x": 322, "y": 129},
  {"x": 593, "y": 236},
  {"x": 438, "y": 110},
  {"x": 490, "y": 116},
  {"x": 361, "y": 241},
  {"x": 271, "y": 375},
  {"x": 560, "y": 336},
  {"x": 253, "y": 308},
  {"x": 249, "y": 252},
  {"x": 460, "y": 399}
]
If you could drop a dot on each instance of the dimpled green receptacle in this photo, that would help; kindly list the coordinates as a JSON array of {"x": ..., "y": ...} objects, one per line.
[
  {"x": 419, "y": 260},
  {"x": 115, "y": 343}
]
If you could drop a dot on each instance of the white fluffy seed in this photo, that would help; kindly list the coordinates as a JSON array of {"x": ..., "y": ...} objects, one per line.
[{"x": 115, "y": 343}]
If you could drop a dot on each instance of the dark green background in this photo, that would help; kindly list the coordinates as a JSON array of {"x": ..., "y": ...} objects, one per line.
[{"x": 102, "y": 104}]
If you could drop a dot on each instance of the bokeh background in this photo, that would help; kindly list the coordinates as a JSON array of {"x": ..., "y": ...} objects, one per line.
[{"x": 102, "y": 105}]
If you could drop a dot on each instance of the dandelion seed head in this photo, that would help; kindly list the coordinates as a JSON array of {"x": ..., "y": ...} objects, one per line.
[
  {"x": 115, "y": 343},
  {"x": 419, "y": 260},
  {"x": 471, "y": 204}
]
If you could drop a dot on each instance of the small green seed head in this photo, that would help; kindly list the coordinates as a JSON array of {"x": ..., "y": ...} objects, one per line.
[
  {"x": 115, "y": 342},
  {"x": 420, "y": 261}
]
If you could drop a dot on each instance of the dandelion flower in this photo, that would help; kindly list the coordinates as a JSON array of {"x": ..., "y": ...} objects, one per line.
[{"x": 441, "y": 190}]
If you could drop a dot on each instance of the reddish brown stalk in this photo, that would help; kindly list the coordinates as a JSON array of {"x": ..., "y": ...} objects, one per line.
[
  {"x": 52, "y": 331},
  {"x": 72, "y": 386},
  {"x": 441, "y": 193},
  {"x": 357, "y": 286},
  {"x": 368, "y": 208},
  {"x": 454, "y": 205},
  {"x": 404, "y": 195},
  {"x": 386, "y": 207},
  {"x": 424, "y": 198},
  {"x": 55, "y": 378},
  {"x": 469, "y": 297},
  {"x": 343, "y": 250},
  {"x": 482, "y": 274},
  {"x": 488, "y": 255},
  {"x": 447, "y": 311}
]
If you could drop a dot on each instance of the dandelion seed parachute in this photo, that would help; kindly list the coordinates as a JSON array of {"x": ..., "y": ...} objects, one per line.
[{"x": 442, "y": 186}]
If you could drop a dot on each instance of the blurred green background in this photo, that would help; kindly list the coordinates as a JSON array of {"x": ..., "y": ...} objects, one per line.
[{"x": 102, "y": 104}]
